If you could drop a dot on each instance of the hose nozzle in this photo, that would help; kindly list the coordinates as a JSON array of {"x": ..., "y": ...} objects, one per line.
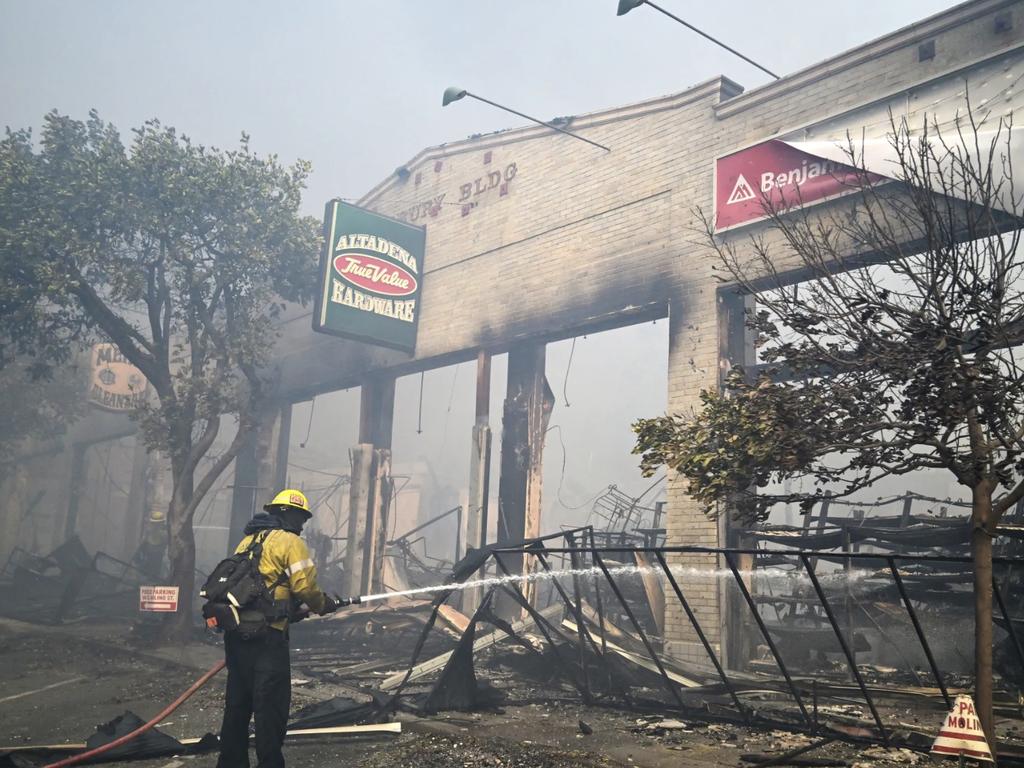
[{"x": 343, "y": 601}]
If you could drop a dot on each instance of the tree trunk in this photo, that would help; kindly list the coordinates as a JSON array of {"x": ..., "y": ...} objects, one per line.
[
  {"x": 981, "y": 552},
  {"x": 181, "y": 551}
]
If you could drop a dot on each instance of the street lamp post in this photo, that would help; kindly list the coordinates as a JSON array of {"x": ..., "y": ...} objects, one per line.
[
  {"x": 453, "y": 93},
  {"x": 625, "y": 6}
]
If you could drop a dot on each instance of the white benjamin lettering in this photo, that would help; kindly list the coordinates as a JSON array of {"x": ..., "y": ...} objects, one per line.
[{"x": 796, "y": 177}]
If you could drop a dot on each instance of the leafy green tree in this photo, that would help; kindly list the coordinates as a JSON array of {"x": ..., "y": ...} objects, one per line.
[
  {"x": 38, "y": 404},
  {"x": 179, "y": 254},
  {"x": 908, "y": 360}
]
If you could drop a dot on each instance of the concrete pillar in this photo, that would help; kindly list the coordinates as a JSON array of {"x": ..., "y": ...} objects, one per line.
[
  {"x": 261, "y": 469},
  {"x": 378, "y": 513},
  {"x": 75, "y": 484},
  {"x": 137, "y": 507},
  {"x": 42, "y": 530},
  {"x": 371, "y": 488},
  {"x": 377, "y": 411},
  {"x": 244, "y": 492},
  {"x": 271, "y": 451},
  {"x": 369, "y": 501},
  {"x": 528, "y": 406},
  {"x": 15, "y": 490},
  {"x": 359, "y": 502},
  {"x": 475, "y": 511}
]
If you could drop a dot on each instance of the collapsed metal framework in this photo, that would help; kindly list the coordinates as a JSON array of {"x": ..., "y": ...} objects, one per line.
[
  {"x": 69, "y": 583},
  {"x": 594, "y": 635}
]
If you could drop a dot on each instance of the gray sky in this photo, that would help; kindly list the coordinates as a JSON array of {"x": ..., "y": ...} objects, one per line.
[{"x": 354, "y": 86}]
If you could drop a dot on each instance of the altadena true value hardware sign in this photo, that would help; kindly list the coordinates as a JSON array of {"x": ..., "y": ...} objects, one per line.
[{"x": 371, "y": 275}]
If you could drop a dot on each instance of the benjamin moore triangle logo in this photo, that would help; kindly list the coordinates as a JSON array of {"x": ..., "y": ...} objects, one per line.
[{"x": 741, "y": 192}]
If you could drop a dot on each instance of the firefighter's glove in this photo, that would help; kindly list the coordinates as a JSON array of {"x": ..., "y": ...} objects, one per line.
[{"x": 331, "y": 604}]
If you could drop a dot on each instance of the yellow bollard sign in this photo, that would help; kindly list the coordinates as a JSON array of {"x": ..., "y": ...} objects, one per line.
[{"x": 961, "y": 734}]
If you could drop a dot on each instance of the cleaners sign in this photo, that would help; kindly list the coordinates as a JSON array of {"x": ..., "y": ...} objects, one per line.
[
  {"x": 371, "y": 275},
  {"x": 776, "y": 176},
  {"x": 115, "y": 384}
]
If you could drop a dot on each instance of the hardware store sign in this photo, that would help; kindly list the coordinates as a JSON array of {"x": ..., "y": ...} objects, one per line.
[{"x": 371, "y": 274}]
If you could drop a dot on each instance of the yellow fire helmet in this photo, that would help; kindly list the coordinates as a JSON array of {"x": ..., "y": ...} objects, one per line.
[{"x": 290, "y": 498}]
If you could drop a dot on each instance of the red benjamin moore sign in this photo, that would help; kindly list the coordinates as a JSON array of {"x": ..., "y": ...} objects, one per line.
[{"x": 777, "y": 175}]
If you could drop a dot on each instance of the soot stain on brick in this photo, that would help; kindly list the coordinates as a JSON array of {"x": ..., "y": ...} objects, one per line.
[{"x": 583, "y": 312}]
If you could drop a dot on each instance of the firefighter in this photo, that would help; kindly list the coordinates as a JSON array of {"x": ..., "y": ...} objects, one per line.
[
  {"x": 150, "y": 555},
  {"x": 259, "y": 670}
]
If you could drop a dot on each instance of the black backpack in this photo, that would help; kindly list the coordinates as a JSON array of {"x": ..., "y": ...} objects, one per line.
[{"x": 238, "y": 599}]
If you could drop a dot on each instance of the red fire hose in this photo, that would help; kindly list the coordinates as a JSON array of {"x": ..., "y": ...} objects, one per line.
[{"x": 142, "y": 728}]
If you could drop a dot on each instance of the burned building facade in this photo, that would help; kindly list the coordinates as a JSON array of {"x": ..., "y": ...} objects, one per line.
[{"x": 533, "y": 237}]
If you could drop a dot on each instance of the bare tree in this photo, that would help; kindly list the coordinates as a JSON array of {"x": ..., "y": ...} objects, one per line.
[{"x": 900, "y": 352}]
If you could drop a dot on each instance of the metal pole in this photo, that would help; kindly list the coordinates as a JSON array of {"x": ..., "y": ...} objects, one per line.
[
  {"x": 543, "y": 626},
  {"x": 565, "y": 598},
  {"x": 848, "y": 596},
  {"x": 458, "y": 535},
  {"x": 639, "y": 630},
  {"x": 767, "y": 637},
  {"x": 908, "y": 502},
  {"x": 541, "y": 623},
  {"x": 599, "y": 605},
  {"x": 581, "y": 631},
  {"x": 695, "y": 550},
  {"x": 842, "y": 643},
  {"x": 917, "y": 628},
  {"x": 822, "y": 522},
  {"x": 785, "y": 759},
  {"x": 703, "y": 638},
  {"x": 535, "y": 120},
  {"x": 1009, "y": 621},
  {"x": 713, "y": 40}
]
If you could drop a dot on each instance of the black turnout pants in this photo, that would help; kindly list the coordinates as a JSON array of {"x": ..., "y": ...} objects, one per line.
[{"x": 259, "y": 683}]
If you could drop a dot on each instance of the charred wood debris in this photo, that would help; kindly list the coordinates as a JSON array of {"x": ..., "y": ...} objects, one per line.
[{"x": 849, "y": 627}]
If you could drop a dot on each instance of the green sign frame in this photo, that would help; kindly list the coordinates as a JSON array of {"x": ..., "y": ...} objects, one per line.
[{"x": 371, "y": 277}]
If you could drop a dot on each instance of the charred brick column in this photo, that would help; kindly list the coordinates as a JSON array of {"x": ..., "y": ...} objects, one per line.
[
  {"x": 138, "y": 508},
  {"x": 693, "y": 366},
  {"x": 528, "y": 405},
  {"x": 371, "y": 488},
  {"x": 736, "y": 348},
  {"x": 479, "y": 473}
]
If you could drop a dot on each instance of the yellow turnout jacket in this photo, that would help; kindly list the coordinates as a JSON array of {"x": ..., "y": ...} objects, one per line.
[{"x": 285, "y": 553}]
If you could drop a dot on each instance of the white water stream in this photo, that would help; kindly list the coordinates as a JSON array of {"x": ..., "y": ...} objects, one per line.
[{"x": 682, "y": 574}]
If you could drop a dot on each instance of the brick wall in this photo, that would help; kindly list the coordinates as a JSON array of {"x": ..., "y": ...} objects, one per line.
[{"x": 566, "y": 237}]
